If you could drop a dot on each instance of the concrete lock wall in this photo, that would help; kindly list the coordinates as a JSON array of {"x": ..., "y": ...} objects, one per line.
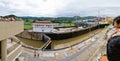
[
  {"x": 30, "y": 35},
  {"x": 60, "y": 36}
]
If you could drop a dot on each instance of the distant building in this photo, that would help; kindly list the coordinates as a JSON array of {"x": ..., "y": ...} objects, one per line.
[
  {"x": 43, "y": 26},
  {"x": 49, "y": 27}
]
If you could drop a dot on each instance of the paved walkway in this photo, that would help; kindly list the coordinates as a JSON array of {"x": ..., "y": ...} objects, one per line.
[{"x": 30, "y": 58}]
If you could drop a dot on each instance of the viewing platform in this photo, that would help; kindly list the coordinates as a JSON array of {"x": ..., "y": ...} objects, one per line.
[
  {"x": 10, "y": 48},
  {"x": 10, "y": 28}
]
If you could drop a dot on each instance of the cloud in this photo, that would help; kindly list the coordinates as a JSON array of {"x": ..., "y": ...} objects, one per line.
[
  {"x": 33, "y": 8},
  {"x": 101, "y": 11},
  {"x": 52, "y": 8}
]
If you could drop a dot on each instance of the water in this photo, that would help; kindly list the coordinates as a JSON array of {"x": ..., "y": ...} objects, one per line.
[
  {"x": 56, "y": 44},
  {"x": 68, "y": 42},
  {"x": 34, "y": 43}
]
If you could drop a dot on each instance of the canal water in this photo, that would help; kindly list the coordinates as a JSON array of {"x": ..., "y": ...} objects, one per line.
[{"x": 56, "y": 44}]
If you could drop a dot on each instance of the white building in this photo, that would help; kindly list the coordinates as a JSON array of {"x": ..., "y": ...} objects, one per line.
[{"x": 43, "y": 26}]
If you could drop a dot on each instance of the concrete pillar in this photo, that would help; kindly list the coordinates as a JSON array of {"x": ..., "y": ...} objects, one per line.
[{"x": 4, "y": 50}]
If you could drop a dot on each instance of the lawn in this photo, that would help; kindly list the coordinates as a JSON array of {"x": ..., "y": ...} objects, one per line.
[
  {"x": 27, "y": 26},
  {"x": 68, "y": 24}
]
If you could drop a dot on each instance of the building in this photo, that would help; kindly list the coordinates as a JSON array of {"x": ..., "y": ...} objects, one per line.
[
  {"x": 10, "y": 51},
  {"x": 43, "y": 26}
]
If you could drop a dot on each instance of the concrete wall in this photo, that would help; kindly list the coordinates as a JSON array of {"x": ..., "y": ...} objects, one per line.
[
  {"x": 31, "y": 35},
  {"x": 8, "y": 29},
  {"x": 60, "y": 36}
]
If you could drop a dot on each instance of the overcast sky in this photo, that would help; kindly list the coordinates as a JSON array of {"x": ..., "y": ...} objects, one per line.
[{"x": 54, "y": 8}]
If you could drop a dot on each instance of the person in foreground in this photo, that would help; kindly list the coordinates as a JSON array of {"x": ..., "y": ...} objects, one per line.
[
  {"x": 113, "y": 49},
  {"x": 116, "y": 24},
  {"x": 113, "y": 45}
]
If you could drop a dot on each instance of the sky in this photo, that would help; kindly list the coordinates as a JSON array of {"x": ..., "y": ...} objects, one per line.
[{"x": 58, "y": 8}]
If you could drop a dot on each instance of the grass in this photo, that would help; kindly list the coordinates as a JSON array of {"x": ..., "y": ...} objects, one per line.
[
  {"x": 68, "y": 24},
  {"x": 27, "y": 26}
]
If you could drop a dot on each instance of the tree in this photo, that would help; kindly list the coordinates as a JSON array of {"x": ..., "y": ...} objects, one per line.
[{"x": 7, "y": 16}]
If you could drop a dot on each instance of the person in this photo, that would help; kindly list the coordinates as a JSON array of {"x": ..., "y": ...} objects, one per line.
[
  {"x": 35, "y": 53},
  {"x": 113, "y": 48},
  {"x": 116, "y": 24}
]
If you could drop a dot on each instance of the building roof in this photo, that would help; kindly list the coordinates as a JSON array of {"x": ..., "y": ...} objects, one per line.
[{"x": 43, "y": 22}]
